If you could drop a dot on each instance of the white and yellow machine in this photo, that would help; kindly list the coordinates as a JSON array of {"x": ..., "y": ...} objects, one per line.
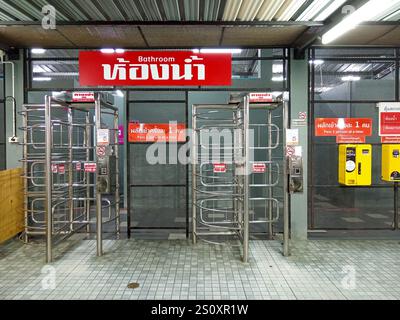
[
  {"x": 355, "y": 164},
  {"x": 390, "y": 162}
]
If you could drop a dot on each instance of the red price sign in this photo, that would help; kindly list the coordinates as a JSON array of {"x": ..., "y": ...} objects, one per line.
[
  {"x": 90, "y": 167},
  {"x": 83, "y": 97},
  {"x": 61, "y": 168},
  {"x": 327, "y": 127},
  {"x": 219, "y": 167},
  {"x": 259, "y": 167},
  {"x": 261, "y": 97}
]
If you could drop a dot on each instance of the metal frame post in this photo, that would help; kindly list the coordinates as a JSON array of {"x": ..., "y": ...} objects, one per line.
[
  {"x": 86, "y": 174},
  {"x": 116, "y": 153},
  {"x": 70, "y": 170},
  {"x": 246, "y": 191},
  {"x": 286, "y": 249},
  {"x": 270, "y": 226},
  {"x": 194, "y": 168},
  {"x": 99, "y": 218},
  {"x": 48, "y": 180}
]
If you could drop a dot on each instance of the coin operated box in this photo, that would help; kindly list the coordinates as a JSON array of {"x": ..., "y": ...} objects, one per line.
[
  {"x": 106, "y": 181},
  {"x": 296, "y": 182},
  {"x": 355, "y": 167},
  {"x": 391, "y": 162}
]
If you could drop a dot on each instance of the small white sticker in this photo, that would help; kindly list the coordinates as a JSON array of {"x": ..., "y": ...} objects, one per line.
[
  {"x": 103, "y": 137},
  {"x": 292, "y": 137}
]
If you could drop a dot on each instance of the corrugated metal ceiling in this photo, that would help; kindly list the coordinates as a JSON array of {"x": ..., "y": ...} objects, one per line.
[{"x": 176, "y": 10}]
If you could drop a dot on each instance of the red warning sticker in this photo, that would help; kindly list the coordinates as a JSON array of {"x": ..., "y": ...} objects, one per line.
[
  {"x": 54, "y": 168},
  {"x": 219, "y": 167},
  {"x": 259, "y": 167},
  {"x": 90, "y": 167}
]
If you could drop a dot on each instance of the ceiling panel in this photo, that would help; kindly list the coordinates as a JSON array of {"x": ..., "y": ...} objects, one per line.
[
  {"x": 32, "y": 36},
  {"x": 261, "y": 36},
  {"x": 103, "y": 36},
  {"x": 162, "y": 36},
  {"x": 390, "y": 38}
]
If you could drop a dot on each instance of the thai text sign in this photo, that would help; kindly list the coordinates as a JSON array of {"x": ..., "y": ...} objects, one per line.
[
  {"x": 154, "y": 68},
  {"x": 389, "y": 118},
  {"x": 343, "y": 127},
  {"x": 160, "y": 132}
]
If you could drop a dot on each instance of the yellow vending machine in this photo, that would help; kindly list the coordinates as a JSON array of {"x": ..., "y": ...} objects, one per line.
[
  {"x": 391, "y": 162},
  {"x": 355, "y": 167}
]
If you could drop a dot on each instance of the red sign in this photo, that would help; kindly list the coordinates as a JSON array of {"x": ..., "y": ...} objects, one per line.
[
  {"x": 83, "y": 97},
  {"x": 160, "y": 132},
  {"x": 78, "y": 166},
  {"x": 290, "y": 151},
  {"x": 350, "y": 139},
  {"x": 391, "y": 139},
  {"x": 389, "y": 123},
  {"x": 61, "y": 168},
  {"x": 219, "y": 167},
  {"x": 90, "y": 167},
  {"x": 261, "y": 97},
  {"x": 154, "y": 68},
  {"x": 302, "y": 115},
  {"x": 259, "y": 167},
  {"x": 54, "y": 168},
  {"x": 343, "y": 127}
]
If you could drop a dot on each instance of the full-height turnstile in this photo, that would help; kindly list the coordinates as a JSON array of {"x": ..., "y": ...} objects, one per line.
[
  {"x": 70, "y": 161},
  {"x": 238, "y": 165}
]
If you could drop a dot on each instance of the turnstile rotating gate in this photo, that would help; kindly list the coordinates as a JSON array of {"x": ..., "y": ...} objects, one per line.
[
  {"x": 70, "y": 162},
  {"x": 238, "y": 165}
]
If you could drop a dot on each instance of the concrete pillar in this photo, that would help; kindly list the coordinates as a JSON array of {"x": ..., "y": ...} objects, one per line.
[
  {"x": 14, "y": 151},
  {"x": 299, "y": 103}
]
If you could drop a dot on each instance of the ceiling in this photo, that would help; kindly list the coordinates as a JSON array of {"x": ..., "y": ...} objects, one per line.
[{"x": 183, "y": 23}]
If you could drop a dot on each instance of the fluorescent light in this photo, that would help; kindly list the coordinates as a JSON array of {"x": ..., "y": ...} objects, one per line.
[
  {"x": 323, "y": 89},
  {"x": 278, "y": 78},
  {"x": 317, "y": 62},
  {"x": 329, "y": 10},
  {"x": 107, "y": 50},
  {"x": 119, "y": 50},
  {"x": 38, "y": 51},
  {"x": 351, "y": 78},
  {"x": 57, "y": 93},
  {"x": 277, "y": 68},
  {"x": 217, "y": 50},
  {"x": 38, "y": 69},
  {"x": 41, "y": 79},
  {"x": 367, "y": 12},
  {"x": 119, "y": 93}
]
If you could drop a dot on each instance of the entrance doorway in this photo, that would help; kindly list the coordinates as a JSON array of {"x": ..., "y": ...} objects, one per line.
[{"x": 159, "y": 195}]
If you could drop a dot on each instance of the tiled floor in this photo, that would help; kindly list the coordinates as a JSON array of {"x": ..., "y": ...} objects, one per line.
[{"x": 175, "y": 269}]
